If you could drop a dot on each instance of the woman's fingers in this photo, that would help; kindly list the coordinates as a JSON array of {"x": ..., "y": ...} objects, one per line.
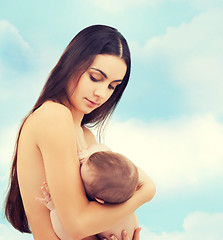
[
  {"x": 136, "y": 234},
  {"x": 113, "y": 238},
  {"x": 125, "y": 235}
]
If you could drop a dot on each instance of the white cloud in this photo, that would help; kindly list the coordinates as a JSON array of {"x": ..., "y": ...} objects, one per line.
[
  {"x": 10, "y": 33},
  {"x": 16, "y": 60},
  {"x": 7, "y": 143},
  {"x": 21, "y": 66},
  {"x": 14, "y": 50},
  {"x": 196, "y": 226},
  {"x": 116, "y": 6},
  {"x": 201, "y": 4},
  {"x": 193, "y": 55},
  {"x": 176, "y": 153}
]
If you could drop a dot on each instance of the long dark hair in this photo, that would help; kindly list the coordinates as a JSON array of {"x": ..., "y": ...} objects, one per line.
[{"x": 75, "y": 60}]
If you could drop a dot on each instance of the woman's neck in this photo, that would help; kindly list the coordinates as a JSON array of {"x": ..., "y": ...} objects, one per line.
[{"x": 77, "y": 116}]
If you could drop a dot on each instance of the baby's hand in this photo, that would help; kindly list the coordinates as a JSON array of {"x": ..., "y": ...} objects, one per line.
[{"x": 47, "y": 201}]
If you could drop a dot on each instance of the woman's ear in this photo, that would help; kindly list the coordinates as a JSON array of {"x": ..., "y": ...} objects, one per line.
[{"x": 100, "y": 200}]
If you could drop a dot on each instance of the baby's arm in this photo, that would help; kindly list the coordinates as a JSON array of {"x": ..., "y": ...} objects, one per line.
[{"x": 56, "y": 223}]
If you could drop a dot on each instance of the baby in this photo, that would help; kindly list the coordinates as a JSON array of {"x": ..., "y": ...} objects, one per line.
[{"x": 108, "y": 177}]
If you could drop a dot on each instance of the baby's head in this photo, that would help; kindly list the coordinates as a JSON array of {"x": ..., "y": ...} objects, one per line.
[{"x": 109, "y": 176}]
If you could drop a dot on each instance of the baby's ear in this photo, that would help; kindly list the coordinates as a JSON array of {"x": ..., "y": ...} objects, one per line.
[
  {"x": 139, "y": 185},
  {"x": 100, "y": 200}
]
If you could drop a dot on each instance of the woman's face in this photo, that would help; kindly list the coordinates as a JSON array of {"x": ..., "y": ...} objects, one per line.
[{"x": 97, "y": 84}]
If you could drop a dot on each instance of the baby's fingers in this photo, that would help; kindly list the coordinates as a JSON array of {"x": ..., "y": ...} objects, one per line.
[
  {"x": 42, "y": 200},
  {"x": 45, "y": 185},
  {"x": 45, "y": 190},
  {"x": 46, "y": 193}
]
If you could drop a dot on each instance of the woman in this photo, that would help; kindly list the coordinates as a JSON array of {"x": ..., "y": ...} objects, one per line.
[{"x": 83, "y": 88}]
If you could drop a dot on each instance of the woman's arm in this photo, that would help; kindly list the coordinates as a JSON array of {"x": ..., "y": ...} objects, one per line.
[{"x": 56, "y": 140}]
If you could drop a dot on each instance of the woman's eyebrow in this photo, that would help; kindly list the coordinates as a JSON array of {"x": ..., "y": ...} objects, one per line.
[{"x": 104, "y": 74}]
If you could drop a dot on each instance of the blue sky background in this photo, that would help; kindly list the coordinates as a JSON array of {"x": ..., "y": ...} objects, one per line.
[{"x": 170, "y": 120}]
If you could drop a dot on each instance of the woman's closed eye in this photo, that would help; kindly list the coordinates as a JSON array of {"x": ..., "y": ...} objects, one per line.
[
  {"x": 114, "y": 84},
  {"x": 98, "y": 80},
  {"x": 94, "y": 79},
  {"x": 111, "y": 87}
]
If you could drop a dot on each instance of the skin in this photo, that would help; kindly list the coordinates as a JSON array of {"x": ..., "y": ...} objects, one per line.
[
  {"x": 88, "y": 174},
  {"x": 130, "y": 223},
  {"x": 47, "y": 152},
  {"x": 93, "y": 86}
]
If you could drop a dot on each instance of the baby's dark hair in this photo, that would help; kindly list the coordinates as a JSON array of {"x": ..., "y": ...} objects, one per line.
[{"x": 115, "y": 177}]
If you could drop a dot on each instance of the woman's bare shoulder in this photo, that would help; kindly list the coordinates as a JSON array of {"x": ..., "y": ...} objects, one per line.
[
  {"x": 48, "y": 108},
  {"x": 49, "y": 115},
  {"x": 51, "y": 111}
]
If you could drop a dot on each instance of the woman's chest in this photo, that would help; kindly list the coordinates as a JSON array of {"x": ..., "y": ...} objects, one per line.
[{"x": 82, "y": 140}]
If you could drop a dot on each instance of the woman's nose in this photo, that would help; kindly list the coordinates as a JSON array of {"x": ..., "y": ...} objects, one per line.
[{"x": 101, "y": 91}]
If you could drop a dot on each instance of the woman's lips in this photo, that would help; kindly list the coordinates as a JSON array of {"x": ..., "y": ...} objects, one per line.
[{"x": 91, "y": 103}]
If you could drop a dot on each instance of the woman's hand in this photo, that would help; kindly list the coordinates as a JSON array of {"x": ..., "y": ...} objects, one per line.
[{"x": 125, "y": 235}]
